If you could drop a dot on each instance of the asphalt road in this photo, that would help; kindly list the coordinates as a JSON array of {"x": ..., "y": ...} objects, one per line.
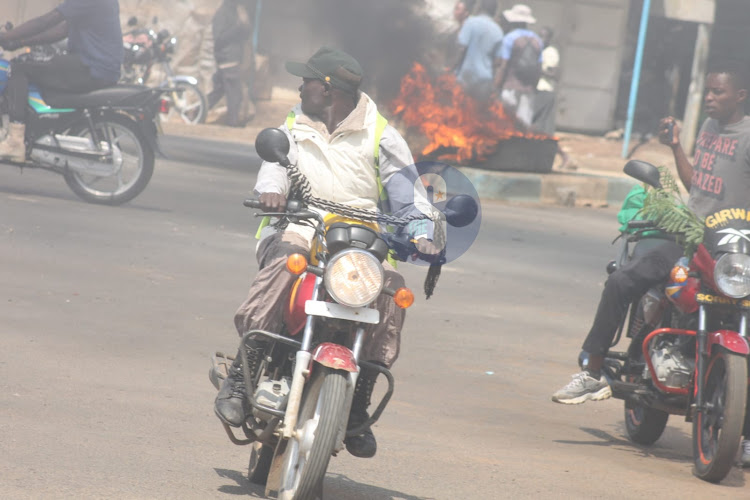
[{"x": 108, "y": 316}]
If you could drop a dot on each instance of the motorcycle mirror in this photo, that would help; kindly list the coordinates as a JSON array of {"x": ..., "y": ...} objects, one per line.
[
  {"x": 155, "y": 20},
  {"x": 644, "y": 172},
  {"x": 133, "y": 21},
  {"x": 8, "y": 26},
  {"x": 461, "y": 210},
  {"x": 272, "y": 145}
]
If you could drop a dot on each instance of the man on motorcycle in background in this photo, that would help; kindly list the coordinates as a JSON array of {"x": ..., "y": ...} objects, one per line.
[
  {"x": 333, "y": 136},
  {"x": 92, "y": 62},
  {"x": 719, "y": 179}
]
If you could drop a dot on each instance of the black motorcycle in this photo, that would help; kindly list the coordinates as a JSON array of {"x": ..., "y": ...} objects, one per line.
[{"x": 102, "y": 142}]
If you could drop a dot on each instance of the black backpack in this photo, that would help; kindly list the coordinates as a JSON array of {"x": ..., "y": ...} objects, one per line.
[{"x": 526, "y": 64}]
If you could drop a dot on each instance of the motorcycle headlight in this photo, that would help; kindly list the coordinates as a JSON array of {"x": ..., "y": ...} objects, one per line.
[
  {"x": 354, "y": 278},
  {"x": 732, "y": 275}
]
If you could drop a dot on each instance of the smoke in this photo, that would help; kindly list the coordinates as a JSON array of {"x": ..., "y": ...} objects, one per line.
[{"x": 387, "y": 37}]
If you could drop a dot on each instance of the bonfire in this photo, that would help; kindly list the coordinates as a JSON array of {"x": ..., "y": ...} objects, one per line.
[{"x": 456, "y": 129}]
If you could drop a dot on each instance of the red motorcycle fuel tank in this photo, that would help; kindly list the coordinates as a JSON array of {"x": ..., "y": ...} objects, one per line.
[
  {"x": 681, "y": 288},
  {"x": 294, "y": 315},
  {"x": 704, "y": 264}
]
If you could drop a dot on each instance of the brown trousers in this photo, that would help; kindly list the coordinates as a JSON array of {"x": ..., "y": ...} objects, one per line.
[{"x": 269, "y": 293}]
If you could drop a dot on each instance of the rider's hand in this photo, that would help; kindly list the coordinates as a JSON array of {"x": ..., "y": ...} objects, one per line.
[
  {"x": 427, "y": 250},
  {"x": 669, "y": 132},
  {"x": 273, "y": 202},
  {"x": 427, "y": 247}
]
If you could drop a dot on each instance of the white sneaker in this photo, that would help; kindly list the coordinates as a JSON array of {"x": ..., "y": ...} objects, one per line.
[
  {"x": 582, "y": 388},
  {"x": 745, "y": 459}
]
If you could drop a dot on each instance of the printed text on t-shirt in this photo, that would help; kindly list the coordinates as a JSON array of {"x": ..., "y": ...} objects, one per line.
[{"x": 708, "y": 147}]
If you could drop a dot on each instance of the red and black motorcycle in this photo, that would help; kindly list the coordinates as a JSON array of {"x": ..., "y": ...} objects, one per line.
[
  {"x": 688, "y": 355},
  {"x": 301, "y": 394}
]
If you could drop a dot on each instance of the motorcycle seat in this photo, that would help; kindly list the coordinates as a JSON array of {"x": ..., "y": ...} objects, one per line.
[{"x": 116, "y": 96}]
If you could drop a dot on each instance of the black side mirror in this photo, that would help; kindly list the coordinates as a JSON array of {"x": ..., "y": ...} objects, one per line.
[
  {"x": 273, "y": 146},
  {"x": 461, "y": 210},
  {"x": 644, "y": 172},
  {"x": 155, "y": 20},
  {"x": 8, "y": 26},
  {"x": 133, "y": 21}
]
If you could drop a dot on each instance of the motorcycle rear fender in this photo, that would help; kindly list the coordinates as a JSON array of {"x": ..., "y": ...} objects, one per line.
[
  {"x": 190, "y": 80},
  {"x": 335, "y": 356},
  {"x": 729, "y": 340},
  {"x": 151, "y": 134}
]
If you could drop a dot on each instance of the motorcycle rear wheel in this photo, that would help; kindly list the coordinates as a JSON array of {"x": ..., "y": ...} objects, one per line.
[
  {"x": 188, "y": 103},
  {"x": 718, "y": 428},
  {"x": 131, "y": 177},
  {"x": 645, "y": 425},
  {"x": 307, "y": 455}
]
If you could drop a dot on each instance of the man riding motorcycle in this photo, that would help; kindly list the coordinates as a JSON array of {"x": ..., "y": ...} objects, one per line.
[
  {"x": 349, "y": 155},
  {"x": 93, "y": 59},
  {"x": 719, "y": 179}
]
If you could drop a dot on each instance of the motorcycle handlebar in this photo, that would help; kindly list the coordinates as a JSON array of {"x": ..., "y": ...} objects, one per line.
[
  {"x": 252, "y": 203},
  {"x": 292, "y": 206}
]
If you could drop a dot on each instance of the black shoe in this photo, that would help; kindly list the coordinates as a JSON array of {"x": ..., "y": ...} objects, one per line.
[
  {"x": 364, "y": 445},
  {"x": 231, "y": 404}
]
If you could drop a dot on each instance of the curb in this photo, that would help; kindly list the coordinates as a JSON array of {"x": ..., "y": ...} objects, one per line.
[
  {"x": 588, "y": 188},
  {"x": 556, "y": 188}
]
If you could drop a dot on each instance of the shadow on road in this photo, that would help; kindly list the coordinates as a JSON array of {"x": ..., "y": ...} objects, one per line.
[
  {"x": 340, "y": 486},
  {"x": 242, "y": 486},
  {"x": 604, "y": 438},
  {"x": 335, "y": 486},
  {"x": 735, "y": 478}
]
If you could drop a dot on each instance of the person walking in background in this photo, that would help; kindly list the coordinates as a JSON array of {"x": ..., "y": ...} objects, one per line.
[
  {"x": 520, "y": 65},
  {"x": 462, "y": 11},
  {"x": 545, "y": 100},
  {"x": 231, "y": 29},
  {"x": 479, "y": 41}
]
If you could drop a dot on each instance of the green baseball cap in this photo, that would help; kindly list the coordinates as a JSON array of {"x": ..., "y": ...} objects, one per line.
[{"x": 334, "y": 66}]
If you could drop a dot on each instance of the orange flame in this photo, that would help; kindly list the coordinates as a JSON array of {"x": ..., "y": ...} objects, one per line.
[{"x": 450, "y": 120}]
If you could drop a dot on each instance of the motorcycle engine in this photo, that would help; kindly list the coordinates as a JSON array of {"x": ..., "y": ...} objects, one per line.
[
  {"x": 672, "y": 367},
  {"x": 271, "y": 393}
]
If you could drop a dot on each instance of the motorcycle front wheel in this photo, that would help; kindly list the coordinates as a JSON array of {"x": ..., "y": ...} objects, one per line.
[
  {"x": 188, "y": 103},
  {"x": 307, "y": 453},
  {"x": 717, "y": 429},
  {"x": 130, "y": 177}
]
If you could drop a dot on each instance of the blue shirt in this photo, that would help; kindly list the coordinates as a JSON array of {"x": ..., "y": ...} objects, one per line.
[
  {"x": 507, "y": 46},
  {"x": 482, "y": 37},
  {"x": 94, "y": 34}
]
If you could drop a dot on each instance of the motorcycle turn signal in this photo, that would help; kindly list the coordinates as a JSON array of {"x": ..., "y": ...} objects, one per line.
[
  {"x": 296, "y": 264},
  {"x": 403, "y": 297}
]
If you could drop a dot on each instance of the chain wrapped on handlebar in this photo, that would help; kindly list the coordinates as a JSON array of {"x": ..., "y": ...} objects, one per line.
[{"x": 301, "y": 189}]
